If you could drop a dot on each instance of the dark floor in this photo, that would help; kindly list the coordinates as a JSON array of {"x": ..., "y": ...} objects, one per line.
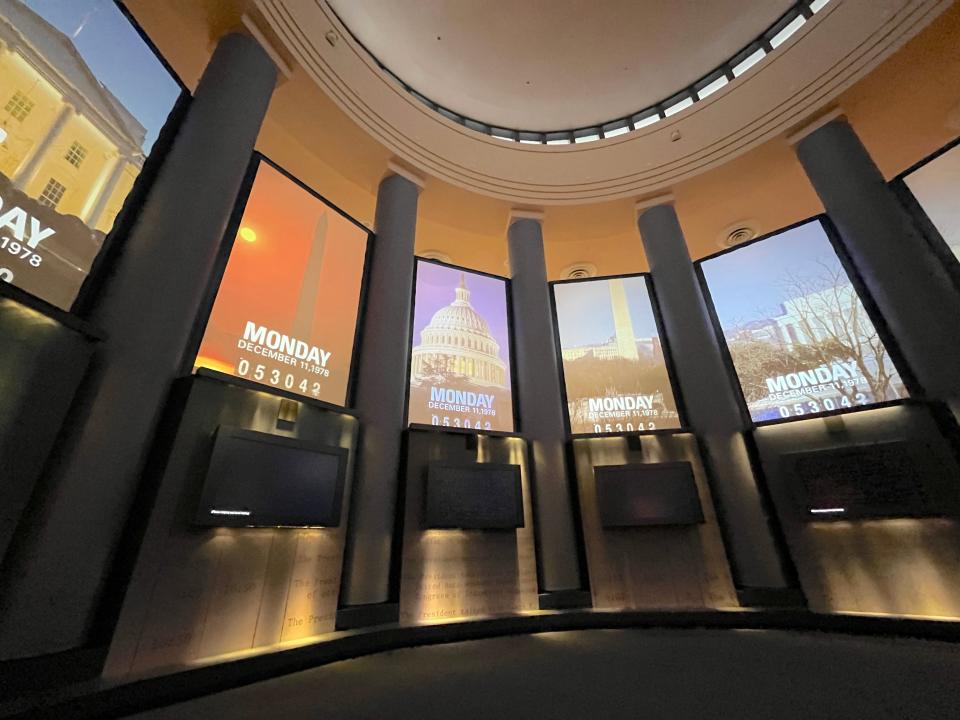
[{"x": 736, "y": 674}]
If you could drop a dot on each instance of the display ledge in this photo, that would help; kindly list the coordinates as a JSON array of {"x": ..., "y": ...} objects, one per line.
[
  {"x": 421, "y": 427},
  {"x": 632, "y": 433},
  {"x": 103, "y": 699},
  {"x": 270, "y": 390},
  {"x": 912, "y": 402},
  {"x": 68, "y": 320}
]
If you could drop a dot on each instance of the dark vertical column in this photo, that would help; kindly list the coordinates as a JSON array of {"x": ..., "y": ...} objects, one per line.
[
  {"x": 709, "y": 398},
  {"x": 906, "y": 280},
  {"x": 381, "y": 389},
  {"x": 540, "y": 404},
  {"x": 52, "y": 582}
]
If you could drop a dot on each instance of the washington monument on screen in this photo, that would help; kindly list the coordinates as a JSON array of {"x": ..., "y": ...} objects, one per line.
[{"x": 623, "y": 326}]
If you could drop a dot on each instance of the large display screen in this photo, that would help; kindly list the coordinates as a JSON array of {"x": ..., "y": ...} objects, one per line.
[
  {"x": 460, "y": 361},
  {"x": 286, "y": 311},
  {"x": 614, "y": 368},
  {"x": 936, "y": 186},
  {"x": 800, "y": 339},
  {"x": 82, "y": 100}
]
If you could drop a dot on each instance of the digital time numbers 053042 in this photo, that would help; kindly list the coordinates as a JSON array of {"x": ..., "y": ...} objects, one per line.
[
  {"x": 445, "y": 421},
  {"x": 295, "y": 382},
  {"x": 621, "y": 427},
  {"x": 812, "y": 407}
]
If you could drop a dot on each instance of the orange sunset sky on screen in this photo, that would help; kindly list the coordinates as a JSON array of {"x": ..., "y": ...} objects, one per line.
[{"x": 263, "y": 279}]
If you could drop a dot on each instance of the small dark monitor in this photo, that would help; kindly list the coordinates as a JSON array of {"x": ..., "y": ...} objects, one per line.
[
  {"x": 260, "y": 480},
  {"x": 879, "y": 480},
  {"x": 474, "y": 496},
  {"x": 644, "y": 494}
]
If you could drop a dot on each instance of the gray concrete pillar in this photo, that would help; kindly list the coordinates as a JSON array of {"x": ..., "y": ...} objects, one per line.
[
  {"x": 381, "y": 389},
  {"x": 540, "y": 403},
  {"x": 52, "y": 585},
  {"x": 712, "y": 407},
  {"x": 906, "y": 280}
]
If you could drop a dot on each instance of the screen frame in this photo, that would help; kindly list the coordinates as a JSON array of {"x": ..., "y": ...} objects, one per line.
[
  {"x": 417, "y": 259},
  {"x": 866, "y": 299},
  {"x": 919, "y": 216},
  {"x": 223, "y": 257},
  {"x": 664, "y": 344},
  {"x": 515, "y": 470},
  {"x": 238, "y": 433},
  {"x": 103, "y": 263}
]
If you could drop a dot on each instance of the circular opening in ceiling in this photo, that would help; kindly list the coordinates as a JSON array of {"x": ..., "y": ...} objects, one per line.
[{"x": 511, "y": 108}]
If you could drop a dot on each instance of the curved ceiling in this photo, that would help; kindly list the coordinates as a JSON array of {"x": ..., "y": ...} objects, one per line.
[
  {"x": 531, "y": 64},
  {"x": 839, "y": 45}
]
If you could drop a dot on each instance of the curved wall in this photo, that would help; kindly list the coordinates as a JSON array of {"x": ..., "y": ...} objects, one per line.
[{"x": 311, "y": 137}]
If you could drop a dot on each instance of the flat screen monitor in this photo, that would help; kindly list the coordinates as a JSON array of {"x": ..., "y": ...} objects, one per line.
[
  {"x": 800, "y": 339},
  {"x": 614, "y": 367},
  {"x": 286, "y": 312},
  {"x": 84, "y": 98},
  {"x": 473, "y": 496},
  {"x": 259, "y": 480},
  {"x": 645, "y": 494},
  {"x": 460, "y": 358},
  {"x": 876, "y": 480}
]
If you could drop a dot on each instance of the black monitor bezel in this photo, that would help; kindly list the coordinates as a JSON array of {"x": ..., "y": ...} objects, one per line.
[{"x": 202, "y": 516}]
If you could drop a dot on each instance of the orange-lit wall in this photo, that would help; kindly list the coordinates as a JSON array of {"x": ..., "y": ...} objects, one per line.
[
  {"x": 910, "y": 105},
  {"x": 900, "y": 110}
]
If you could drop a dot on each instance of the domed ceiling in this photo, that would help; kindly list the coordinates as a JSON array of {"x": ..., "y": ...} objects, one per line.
[
  {"x": 553, "y": 64},
  {"x": 573, "y": 53}
]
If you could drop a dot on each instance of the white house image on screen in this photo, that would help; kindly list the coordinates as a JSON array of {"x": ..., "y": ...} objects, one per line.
[
  {"x": 831, "y": 315},
  {"x": 815, "y": 317},
  {"x": 69, "y": 150},
  {"x": 458, "y": 341}
]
